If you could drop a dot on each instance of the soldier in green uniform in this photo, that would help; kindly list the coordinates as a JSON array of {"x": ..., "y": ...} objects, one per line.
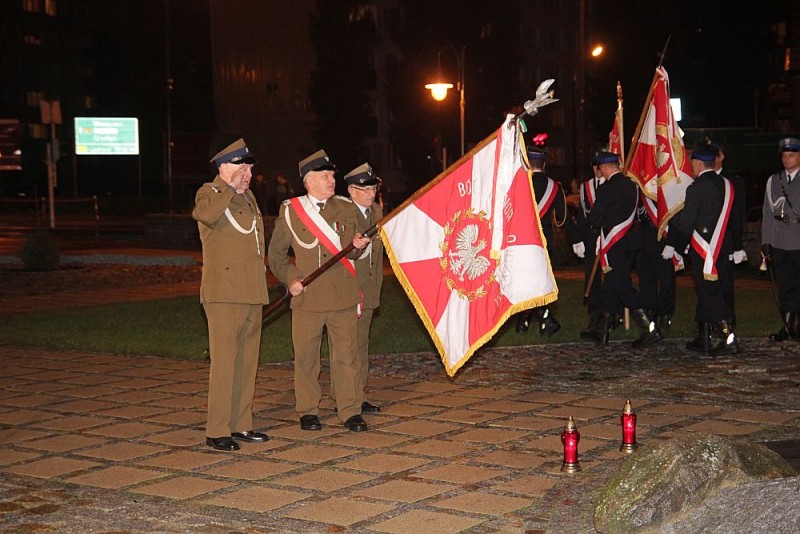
[
  {"x": 363, "y": 185},
  {"x": 317, "y": 226},
  {"x": 233, "y": 291}
]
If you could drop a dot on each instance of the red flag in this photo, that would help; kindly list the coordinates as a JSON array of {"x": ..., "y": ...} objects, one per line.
[
  {"x": 659, "y": 162},
  {"x": 469, "y": 251},
  {"x": 615, "y": 136}
]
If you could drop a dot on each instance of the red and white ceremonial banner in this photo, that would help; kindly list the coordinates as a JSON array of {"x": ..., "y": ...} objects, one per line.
[
  {"x": 615, "y": 136},
  {"x": 469, "y": 251},
  {"x": 659, "y": 162}
]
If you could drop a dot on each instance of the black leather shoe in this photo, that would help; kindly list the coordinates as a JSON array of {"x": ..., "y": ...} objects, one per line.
[
  {"x": 310, "y": 422},
  {"x": 367, "y": 407},
  {"x": 224, "y": 443},
  {"x": 356, "y": 424},
  {"x": 251, "y": 436}
]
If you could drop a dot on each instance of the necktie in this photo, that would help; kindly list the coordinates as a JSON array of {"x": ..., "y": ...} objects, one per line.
[
  {"x": 320, "y": 205},
  {"x": 368, "y": 214}
]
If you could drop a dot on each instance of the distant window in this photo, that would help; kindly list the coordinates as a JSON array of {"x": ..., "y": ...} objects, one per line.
[
  {"x": 50, "y": 7},
  {"x": 34, "y": 6},
  {"x": 32, "y": 98},
  {"x": 37, "y": 131}
]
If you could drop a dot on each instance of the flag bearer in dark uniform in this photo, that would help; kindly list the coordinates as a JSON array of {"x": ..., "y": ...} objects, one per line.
[
  {"x": 704, "y": 217},
  {"x": 362, "y": 186},
  {"x": 233, "y": 291},
  {"x": 317, "y": 226},
  {"x": 584, "y": 242},
  {"x": 780, "y": 234},
  {"x": 550, "y": 199},
  {"x": 614, "y": 214},
  {"x": 736, "y": 224},
  {"x": 655, "y": 267}
]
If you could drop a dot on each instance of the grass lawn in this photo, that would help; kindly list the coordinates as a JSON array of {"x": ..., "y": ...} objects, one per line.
[{"x": 176, "y": 327}]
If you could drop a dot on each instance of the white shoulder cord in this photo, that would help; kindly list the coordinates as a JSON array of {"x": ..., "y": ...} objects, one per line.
[
  {"x": 241, "y": 230},
  {"x": 296, "y": 238},
  {"x": 775, "y": 204}
]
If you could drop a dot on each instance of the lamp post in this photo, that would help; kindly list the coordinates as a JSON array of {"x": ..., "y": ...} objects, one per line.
[
  {"x": 51, "y": 114},
  {"x": 439, "y": 88}
]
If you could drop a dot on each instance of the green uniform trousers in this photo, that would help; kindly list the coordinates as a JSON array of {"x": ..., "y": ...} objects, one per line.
[
  {"x": 307, "y": 330},
  {"x": 362, "y": 356},
  {"x": 234, "y": 336}
]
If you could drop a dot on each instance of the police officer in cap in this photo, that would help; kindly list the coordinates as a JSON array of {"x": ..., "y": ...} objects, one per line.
[
  {"x": 317, "y": 226},
  {"x": 233, "y": 290},
  {"x": 613, "y": 215},
  {"x": 551, "y": 201},
  {"x": 704, "y": 221},
  {"x": 780, "y": 234}
]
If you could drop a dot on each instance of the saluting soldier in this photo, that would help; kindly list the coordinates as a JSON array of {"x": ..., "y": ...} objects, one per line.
[
  {"x": 363, "y": 185},
  {"x": 704, "y": 222},
  {"x": 780, "y": 234},
  {"x": 233, "y": 291},
  {"x": 317, "y": 226},
  {"x": 613, "y": 215},
  {"x": 550, "y": 200}
]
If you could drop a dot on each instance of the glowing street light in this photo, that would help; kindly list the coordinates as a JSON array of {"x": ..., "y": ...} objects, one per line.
[
  {"x": 597, "y": 50},
  {"x": 439, "y": 89}
]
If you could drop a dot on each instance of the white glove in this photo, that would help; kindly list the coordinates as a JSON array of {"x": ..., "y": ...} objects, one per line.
[
  {"x": 579, "y": 249},
  {"x": 668, "y": 252},
  {"x": 739, "y": 256}
]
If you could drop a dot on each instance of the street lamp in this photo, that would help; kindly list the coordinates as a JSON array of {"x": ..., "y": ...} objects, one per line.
[{"x": 439, "y": 89}]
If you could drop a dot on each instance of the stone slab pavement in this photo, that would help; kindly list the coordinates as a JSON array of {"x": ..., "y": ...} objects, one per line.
[{"x": 111, "y": 443}]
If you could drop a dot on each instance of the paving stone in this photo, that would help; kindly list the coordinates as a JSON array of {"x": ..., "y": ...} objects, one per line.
[
  {"x": 28, "y": 401},
  {"x": 250, "y": 469},
  {"x": 511, "y": 406},
  {"x": 325, "y": 480},
  {"x": 724, "y": 428},
  {"x": 490, "y": 435},
  {"x": 257, "y": 499},
  {"x": 553, "y": 443},
  {"x": 366, "y": 440},
  {"x": 82, "y": 406},
  {"x": 132, "y": 412},
  {"x": 547, "y": 397},
  {"x": 513, "y": 458},
  {"x": 578, "y": 413},
  {"x": 50, "y": 467},
  {"x": 181, "y": 418},
  {"x": 682, "y": 409},
  {"x": 185, "y": 460},
  {"x": 312, "y": 454},
  {"x": 182, "y": 487},
  {"x": 431, "y": 387},
  {"x": 529, "y": 422},
  {"x": 418, "y": 521},
  {"x": 8, "y": 457},
  {"x": 470, "y": 417},
  {"x": 383, "y": 463},
  {"x": 755, "y": 416},
  {"x": 22, "y": 417},
  {"x": 410, "y": 410},
  {"x": 404, "y": 491},
  {"x": 116, "y": 477},
  {"x": 440, "y": 448},
  {"x": 337, "y": 511},
  {"x": 122, "y": 451},
  {"x": 530, "y": 485},
  {"x": 461, "y": 474},
  {"x": 178, "y": 438},
  {"x": 63, "y": 442},
  {"x": 126, "y": 430},
  {"x": 483, "y": 503},
  {"x": 420, "y": 428},
  {"x": 449, "y": 401}
]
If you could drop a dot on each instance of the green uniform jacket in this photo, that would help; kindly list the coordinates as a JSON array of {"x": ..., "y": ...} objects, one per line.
[
  {"x": 233, "y": 262},
  {"x": 336, "y": 288},
  {"x": 369, "y": 266}
]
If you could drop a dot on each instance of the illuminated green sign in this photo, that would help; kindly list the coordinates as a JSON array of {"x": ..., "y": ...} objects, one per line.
[{"x": 112, "y": 136}]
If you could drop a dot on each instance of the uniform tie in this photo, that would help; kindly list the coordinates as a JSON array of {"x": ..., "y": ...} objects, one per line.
[
  {"x": 368, "y": 213},
  {"x": 320, "y": 205}
]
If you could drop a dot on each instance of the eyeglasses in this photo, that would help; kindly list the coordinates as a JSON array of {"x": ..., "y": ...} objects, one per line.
[{"x": 368, "y": 189}]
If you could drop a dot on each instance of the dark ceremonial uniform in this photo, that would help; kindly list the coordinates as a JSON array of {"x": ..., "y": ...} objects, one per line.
[
  {"x": 780, "y": 238},
  {"x": 233, "y": 291},
  {"x": 736, "y": 226},
  {"x": 656, "y": 275},
  {"x": 330, "y": 301},
  {"x": 614, "y": 214}
]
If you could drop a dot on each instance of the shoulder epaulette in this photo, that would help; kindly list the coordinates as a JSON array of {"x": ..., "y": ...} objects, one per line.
[
  {"x": 214, "y": 187},
  {"x": 340, "y": 197}
]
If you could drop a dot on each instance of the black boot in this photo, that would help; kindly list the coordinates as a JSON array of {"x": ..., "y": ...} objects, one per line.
[
  {"x": 650, "y": 332},
  {"x": 701, "y": 342},
  {"x": 547, "y": 323},
  {"x": 601, "y": 334},
  {"x": 664, "y": 322},
  {"x": 729, "y": 343},
  {"x": 524, "y": 321},
  {"x": 783, "y": 334},
  {"x": 595, "y": 322}
]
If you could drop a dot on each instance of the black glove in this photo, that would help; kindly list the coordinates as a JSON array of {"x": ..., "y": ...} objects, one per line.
[{"x": 766, "y": 251}]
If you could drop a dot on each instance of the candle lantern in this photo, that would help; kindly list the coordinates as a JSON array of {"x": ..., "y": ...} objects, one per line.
[
  {"x": 570, "y": 437},
  {"x": 628, "y": 420}
]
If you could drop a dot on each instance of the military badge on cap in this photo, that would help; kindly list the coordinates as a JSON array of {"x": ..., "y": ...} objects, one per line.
[
  {"x": 789, "y": 144},
  {"x": 536, "y": 153},
  {"x": 236, "y": 153},
  {"x": 362, "y": 176},
  {"x": 318, "y": 161}
]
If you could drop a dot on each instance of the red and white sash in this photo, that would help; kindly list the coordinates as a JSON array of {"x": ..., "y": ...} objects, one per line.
[
  {"x": 710, "y": 251},
  {"x": 549, "y": 196},
  {"x": 319, "y": 227},
  {"x": 588, "y": 196},
  {"x": 616, "y": 233}
]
